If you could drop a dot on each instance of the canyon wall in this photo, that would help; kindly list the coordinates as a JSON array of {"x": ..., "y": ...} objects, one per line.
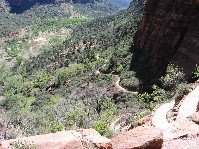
[{"x": 168, "y": 32}]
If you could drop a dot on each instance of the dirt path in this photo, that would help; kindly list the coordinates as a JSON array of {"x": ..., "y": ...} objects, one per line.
[
  {"x": 117, "y": 80},
  {"x": 116, "y": 83},
  {"x": 187, "y": 108},
  {"x": 189, "y": 105},
  {"x": 119, "y": 87},
  {"x": 159, "y": 119},
  {"x": 182, "y": 127}
]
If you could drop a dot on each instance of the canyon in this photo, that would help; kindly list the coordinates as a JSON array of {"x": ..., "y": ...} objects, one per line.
[{"x": 168, "y": 33}]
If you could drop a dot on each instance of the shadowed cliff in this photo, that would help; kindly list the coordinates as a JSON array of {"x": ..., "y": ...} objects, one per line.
[{"x": 168, "y": 32}]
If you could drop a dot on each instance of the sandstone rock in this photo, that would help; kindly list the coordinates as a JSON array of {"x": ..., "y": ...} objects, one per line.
[
  {"x": 142, "y": 121},
  {"x": 168, "y": 32},
  {"x": 195, "y": 117},
  {"x": 74, "y": 139},
  {"x": 188, "y": 143},
  {"x": 184, "y": 135},
  {"x": 146, "y": 137},
  {"x": 181, "y": 129}
]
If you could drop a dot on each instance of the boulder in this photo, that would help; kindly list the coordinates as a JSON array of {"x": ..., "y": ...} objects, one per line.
[
  {"x": 74, "y": 139},
  {"x": 183, "y": 135},
  {"x": 142, "y": 137},
  {"x": 195, "y": 117},
  {"x": 142, "y": 121}
]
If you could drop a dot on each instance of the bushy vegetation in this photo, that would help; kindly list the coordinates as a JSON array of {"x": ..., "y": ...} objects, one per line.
[
  {"x": 172, "y": 85},
  {"x": 23, "y": 145},
  {"x": 55, "y": 24},
  {"x": 12, "y": 22},
  {"x": 129, "y": 80},
  {"x": 196, "y": 73}
]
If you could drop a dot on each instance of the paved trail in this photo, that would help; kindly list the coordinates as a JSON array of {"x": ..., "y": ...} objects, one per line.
[
  {"x": 189, "y": 105},
  {"x": 182, "y": 127},
  {"x": 159, "y": 119}
]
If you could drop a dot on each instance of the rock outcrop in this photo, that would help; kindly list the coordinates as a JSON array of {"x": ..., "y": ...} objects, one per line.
[
  {"x": 168, "y": 32},
  {"x": 74, "y": 139},
  {"x": 147, "y": 137}
]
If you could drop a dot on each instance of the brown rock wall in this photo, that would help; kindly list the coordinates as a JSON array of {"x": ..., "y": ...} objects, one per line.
[{"x": 169, "y": 32}]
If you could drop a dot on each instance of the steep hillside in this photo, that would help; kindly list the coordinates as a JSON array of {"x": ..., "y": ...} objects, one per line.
[
  {"x": 80, "y": 81},
  {"x": 168, "y": 32},
  {"x": 66, "y": 66}
]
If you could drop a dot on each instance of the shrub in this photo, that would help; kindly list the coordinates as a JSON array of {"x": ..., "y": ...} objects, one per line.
[
  {"x": 128, "y": 80},
  {"x": 5, "y": 72},
  {"x": 41, "y": 79},
  {"x": 17, "y": 100},
  {"x": 138, "y": 116},
  {"x": 174, "y": 76},
  {"x": 173, "y": 85},
  {"x": 56, "y": 126},
  {"x": 20, "y": 59},
  {"x": 75, "y": 117},
  {"x": 13, "y": 83},
  {"x": 23, "y": 145},
  {"x": 196, "y": 72},
  {"x": 71, "y": 71},
  {"x": 128, "y": 74},
  {"x": 102, "y": 126},
  {"x": 130, "y": 83}
]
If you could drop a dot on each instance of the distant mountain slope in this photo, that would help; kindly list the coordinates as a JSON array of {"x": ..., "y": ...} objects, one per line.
[
  {"x": 13, "y": 22},
  {"x": 19, "y": 6},
  {"x": 121, "y": 3}
]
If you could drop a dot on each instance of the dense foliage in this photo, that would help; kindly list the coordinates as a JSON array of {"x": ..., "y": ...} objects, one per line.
[
  {"x": 13, "y": 23},
  {"x": 59, "y": 88}
]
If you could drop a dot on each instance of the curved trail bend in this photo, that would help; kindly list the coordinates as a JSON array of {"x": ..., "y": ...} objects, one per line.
[
  {"x": 117, "y": 83},
  {"x": 182, "y": 127}
]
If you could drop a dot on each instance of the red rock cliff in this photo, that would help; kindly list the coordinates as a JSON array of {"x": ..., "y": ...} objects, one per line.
[{"x": 169, "y": 32}]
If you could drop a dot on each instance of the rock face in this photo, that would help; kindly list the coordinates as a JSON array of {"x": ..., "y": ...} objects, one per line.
[
  {"x": 169, "y": 32},
  {"x": 195, "y": 117},
  {"x": 147, "y": 137},
  {"x": 74, "y": 139}
]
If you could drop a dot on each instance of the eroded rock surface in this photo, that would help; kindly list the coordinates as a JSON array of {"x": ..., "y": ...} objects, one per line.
[
  {"x": 195, "y": 117},
  {"x": 169, "y": 32},
  {"x": 74, "y": 139},
  {"x": 147, "y": 137}
]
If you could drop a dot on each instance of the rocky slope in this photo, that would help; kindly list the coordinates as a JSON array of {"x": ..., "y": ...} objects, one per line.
[
  {"x": 154, "y": 133},
  {"x": 168, "y": 32}
]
